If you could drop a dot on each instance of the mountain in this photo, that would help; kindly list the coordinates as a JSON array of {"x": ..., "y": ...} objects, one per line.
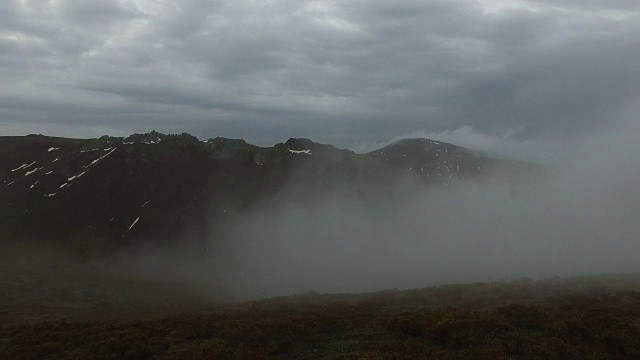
[
  {"x": 444, "y": 162},
  {"x": 107, "y": 193}
]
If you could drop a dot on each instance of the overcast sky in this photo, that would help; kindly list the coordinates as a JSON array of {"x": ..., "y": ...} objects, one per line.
[{"x": 343, "y": 72}]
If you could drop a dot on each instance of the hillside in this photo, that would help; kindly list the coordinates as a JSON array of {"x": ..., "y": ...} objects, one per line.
[
  {"x": 107, "y": 193},
  {"x": 447, "y": 162},
  {"x": 571, "y": 318}
]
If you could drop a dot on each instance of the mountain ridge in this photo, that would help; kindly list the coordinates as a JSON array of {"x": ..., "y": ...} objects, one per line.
[{"x": 104, "y": 193}]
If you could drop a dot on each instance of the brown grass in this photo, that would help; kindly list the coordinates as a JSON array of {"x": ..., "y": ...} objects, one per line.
[{"x": 583, "y": 325}]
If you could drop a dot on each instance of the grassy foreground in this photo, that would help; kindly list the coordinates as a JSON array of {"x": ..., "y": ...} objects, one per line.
[{"x": 580, "y": 318}]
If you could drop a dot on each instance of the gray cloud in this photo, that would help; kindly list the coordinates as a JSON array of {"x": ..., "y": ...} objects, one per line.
[
  {"x": 92, "y": 13},
  {"x": 341, "y": 72}
]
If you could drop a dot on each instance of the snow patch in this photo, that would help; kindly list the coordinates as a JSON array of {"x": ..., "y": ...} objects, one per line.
[
  {"x": 143, "y": 205},
  {"x": 53, "y": 149},
  {"x": 31, "y": 172},
  {"x": 50, "y": 195},
  {"x": 100, "y": 158},
  {"x": 18, "y": 168},
  {"x": 23, "y": 166},
  {"x": 34, "y": 184},
  {"x": 47, "y": 173},
  {"x": 132, "y": 225},
  {"x": 75, "y": 177},
  {"x": 308, "y": 152},
  {"x": 63, "y": 185}
]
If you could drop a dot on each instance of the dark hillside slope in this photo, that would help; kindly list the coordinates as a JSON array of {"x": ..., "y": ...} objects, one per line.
[
  {"x": 574, "y": 318},
  {"x": 99, "y": 190},
  {"x": 106, "y": 193}
]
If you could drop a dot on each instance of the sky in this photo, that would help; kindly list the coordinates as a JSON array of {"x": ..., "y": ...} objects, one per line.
[{"x": 350, "y": 73}]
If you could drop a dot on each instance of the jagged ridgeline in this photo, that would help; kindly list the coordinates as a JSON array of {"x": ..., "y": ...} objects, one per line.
[{"x": 104, "y": 193}]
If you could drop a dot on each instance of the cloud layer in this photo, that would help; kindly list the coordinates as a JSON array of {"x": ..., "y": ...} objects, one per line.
[{"x": 340, "y": 72}]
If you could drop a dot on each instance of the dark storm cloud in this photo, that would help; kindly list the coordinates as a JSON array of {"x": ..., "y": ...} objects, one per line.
[{"x": 342, "y": 72}]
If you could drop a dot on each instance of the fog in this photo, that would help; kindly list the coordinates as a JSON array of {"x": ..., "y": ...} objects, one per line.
[
  {"x": 583, "y": 220},
  {"x": 459, "y": 234}
]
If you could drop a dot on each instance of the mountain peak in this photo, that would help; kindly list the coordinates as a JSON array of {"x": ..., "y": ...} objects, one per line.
[
  {"x": 412, "y": 143},
  {"x": 300, "y": 144}
]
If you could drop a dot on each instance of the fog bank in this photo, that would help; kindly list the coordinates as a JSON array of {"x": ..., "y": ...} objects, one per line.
[{"x": 582, "y": 221}]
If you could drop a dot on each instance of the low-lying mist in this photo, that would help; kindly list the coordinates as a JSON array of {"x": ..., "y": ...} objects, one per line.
[
  {"x": 582, "y": 220},
  {"x": 462, "y": 233}
]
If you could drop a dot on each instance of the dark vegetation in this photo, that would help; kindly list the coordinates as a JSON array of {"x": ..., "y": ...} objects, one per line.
[{"x": 579, "y": 318}]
